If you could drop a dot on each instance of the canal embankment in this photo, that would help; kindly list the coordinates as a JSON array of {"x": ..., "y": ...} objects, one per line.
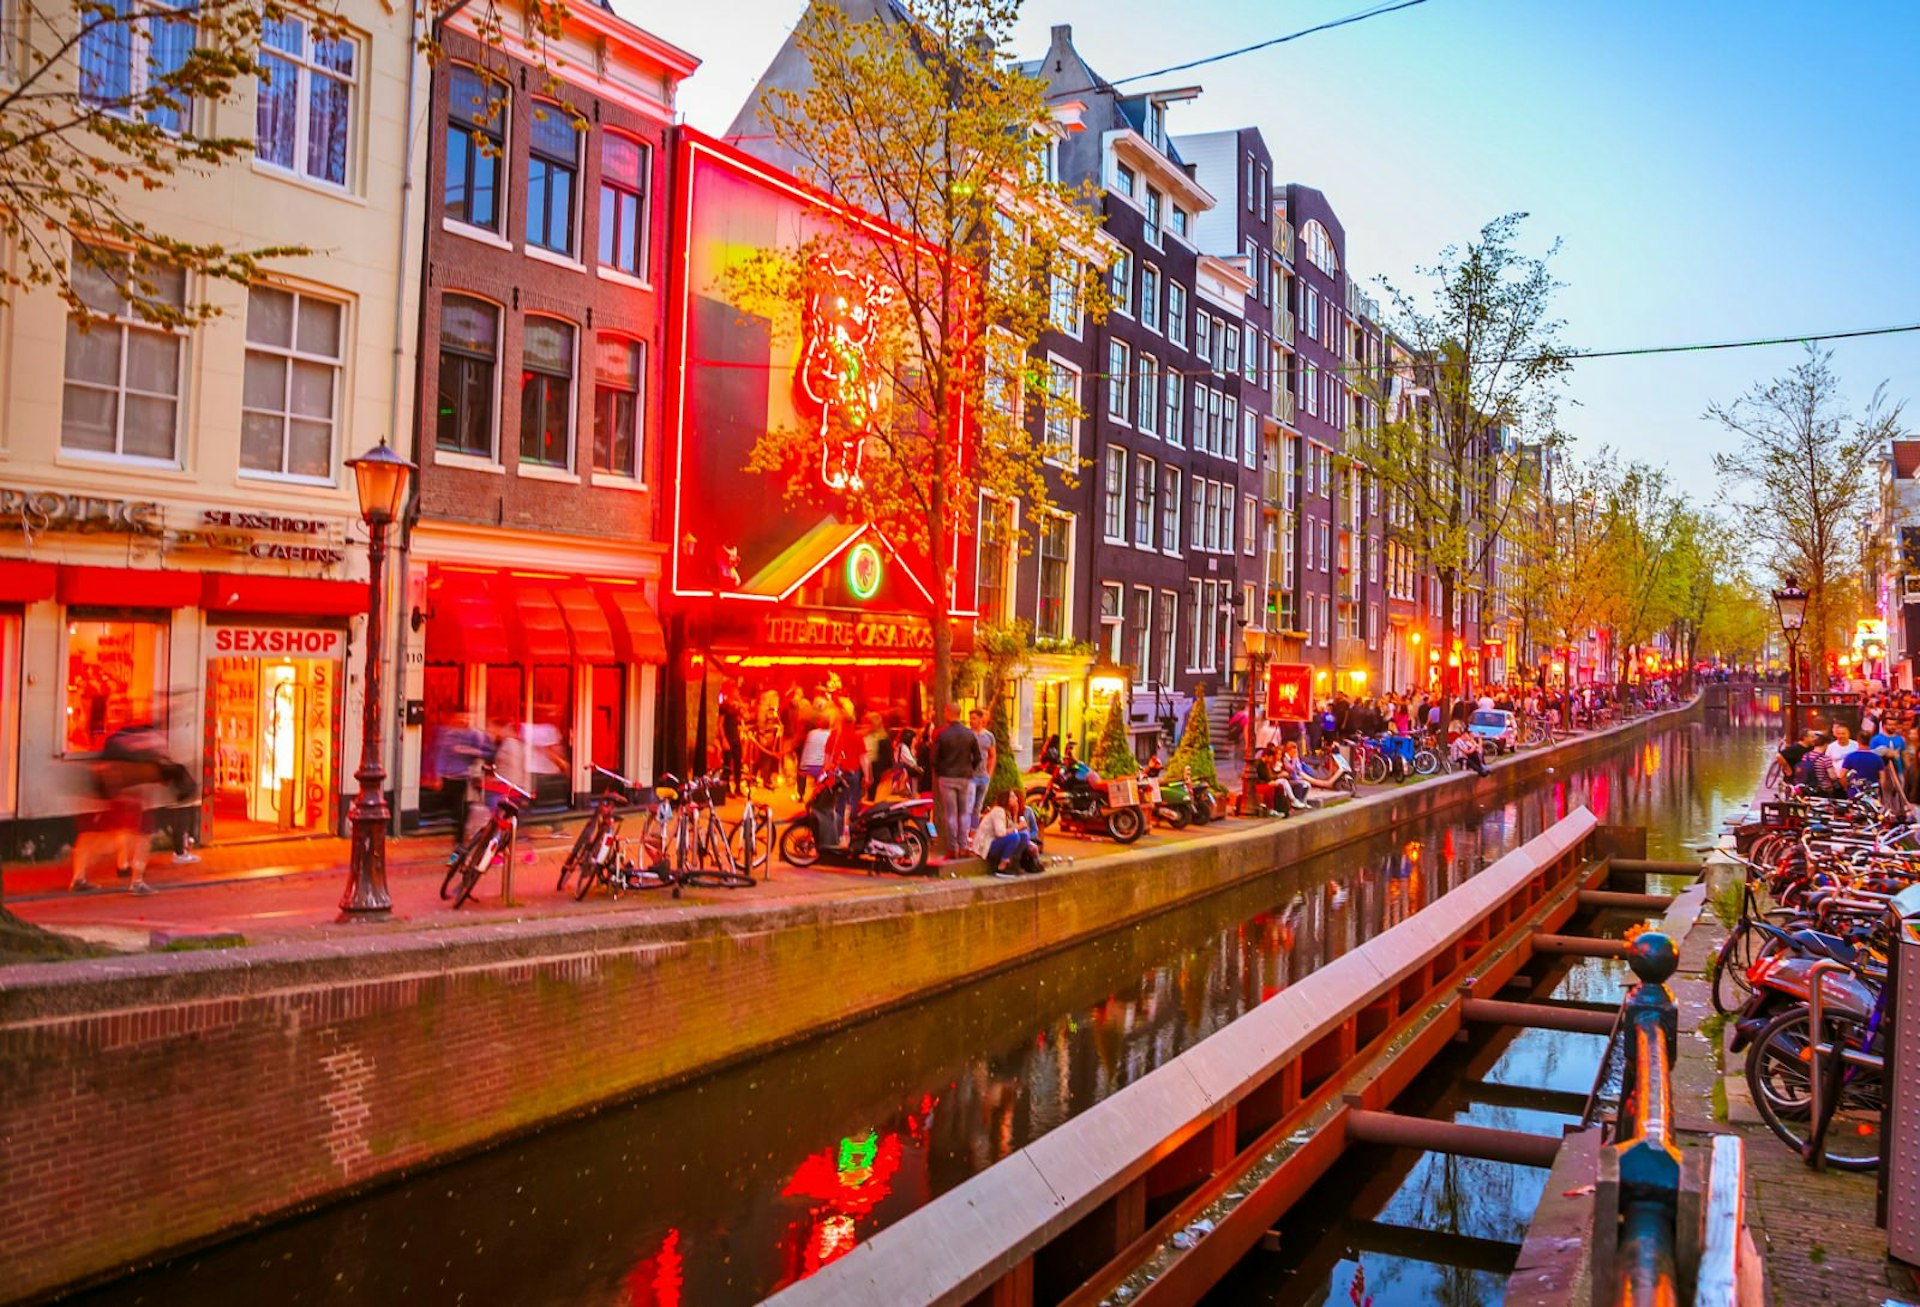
[{"x": 154, "y": 1102}]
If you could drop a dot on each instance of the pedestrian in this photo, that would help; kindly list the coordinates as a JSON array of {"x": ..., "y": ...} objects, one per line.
[
  {"x": 732, "y": 743},
  {"x": 133, "y": 769},
  {"x": 458, "y": 751},
  {"x": 847, "y": 753},
  {"x": 983, "y": 772},
  {"x": 956, "y": 757},
  {"x": 812, "y": 755}
]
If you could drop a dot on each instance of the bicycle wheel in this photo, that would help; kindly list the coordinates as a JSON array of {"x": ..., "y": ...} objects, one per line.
[
  {"x": 1426, "y": 762},
  {"x": 595, "y": 869},
  {"x": 470, "y": 874},
  {"x": 755, "y": 828},
  {"x": 1731, "y": 965},
  {"x": 1374, "y": 770},
  {"x": 1778, "y": 1074},
  {"x": 583, "y": 845},
  {"x": 714, "y": 867},
  {"x": 458, "y": 863}
]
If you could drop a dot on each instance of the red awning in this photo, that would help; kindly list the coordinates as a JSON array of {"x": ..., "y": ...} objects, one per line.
[
  {"x": 298, "y": 596},
  {"x": 539, "y": 631},
  {"x": 464, "y": 621},
  {"x": 637, "y": 637},
  {"x": 128, "y": 587},
  {"x": 587, "y": 623},
  {"x": 26, "y": 583}
]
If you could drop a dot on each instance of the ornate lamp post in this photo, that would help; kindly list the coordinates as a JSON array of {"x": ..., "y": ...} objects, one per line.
[
  {"x": 381, "y": 476},
  {"x": 1791, "y": 603}
]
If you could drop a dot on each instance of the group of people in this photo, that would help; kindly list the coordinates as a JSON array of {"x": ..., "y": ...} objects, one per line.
[
  {"x": 520, "y": 752},
  {"x": 1872, "y": 758}
]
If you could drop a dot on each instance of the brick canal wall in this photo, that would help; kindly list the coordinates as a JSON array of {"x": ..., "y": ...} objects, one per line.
[{"x": 152, "y": 1102}]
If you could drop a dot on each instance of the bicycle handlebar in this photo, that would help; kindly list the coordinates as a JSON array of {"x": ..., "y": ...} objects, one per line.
[{"x": 492, "y": 773}]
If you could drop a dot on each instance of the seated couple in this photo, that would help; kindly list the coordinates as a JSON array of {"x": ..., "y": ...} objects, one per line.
[
  {"x": 1281, "y": 784},
  {"x": 1008, "y": 837}
]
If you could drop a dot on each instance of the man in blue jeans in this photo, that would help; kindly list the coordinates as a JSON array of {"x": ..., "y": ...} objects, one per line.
[
  {"x": 956, "y": 757},
  {"x": 983, "y": 773}
]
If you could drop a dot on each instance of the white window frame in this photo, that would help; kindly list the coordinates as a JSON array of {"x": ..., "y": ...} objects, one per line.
[
  {"x": 1174, "y": 411},
  {"x": 1147, "y": 408},
  {"x": 1170, "y": 505},
  {"x": 1065, "y": 313},
  {"x": 1177, "y": 299},
  {"x": 306, "y": 70},
  {"x": 1150, "y": 282},
  {"x": 1059, "y": 454},
  {"x": 1120, "y": 283},
  {"x": 1146, "y": 491},
  {"x": 1040, "y": 572},
  {"x": 290, "y": 355},
  {"x": 1119, "y": 381},
  {"x": 127, "y": 320},
  {"x": 1113, "y": 496}
]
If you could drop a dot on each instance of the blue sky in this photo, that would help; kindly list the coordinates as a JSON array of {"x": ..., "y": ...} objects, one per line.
[{"x": 1714, "y": 170}]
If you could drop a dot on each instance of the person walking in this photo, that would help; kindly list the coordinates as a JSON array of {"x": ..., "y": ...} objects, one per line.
[
  {"x": 457, "y": 752},
  {"x": 983, "y": 772},
  {"x": 956, "y": 757}
]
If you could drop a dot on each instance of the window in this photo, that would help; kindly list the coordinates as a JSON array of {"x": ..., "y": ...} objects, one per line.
[
  {"x": 1203, "y": 335},
  {"x": 123, "y": 374},
  {"x": 1175, "y": 411},
  {"x": 1197, "y": 513},
  {"x": 1166, "y": 626},
  {"x": 1290, "y": 454},
  {"x": 303, "y": 120},
  {"x": 125, "y": 59},
  {"x": 1150, "y": 297},
  {"x": 1249, "y": 525},
  {"x": 117, "y": 676},
  {"x": 1250, "y": 353},
  {"x": 1215, "y": 401},
  {"x": 1114, "y": 517},
  {"x": 618, "y": 389},
  {"x": 1054, "y": 546},
  {"x": 1225, "y": 511},
  {"x": 1121, "y": 280},
  {"x": 1250, "y": 439},
  {"x": 1326, "y": 550},
  {"x": 1154, "y": 205},
  {"x": 1249, "y": 182},
  {"x": 1261, "y": 199},
  {"x": 1310, "y": 315},
  {"x": 546, "y": 393},
  {"x": 1063, "y": 411},
  {"x": 1149, "y": 416},
  {"x": 626, "y": 170},
  {"x": 993, "y": 570},
  {"x": 1210, "y": 509},
  {"x": 1063, "y": 300},
  {"x": 1146, "y": 484},
  {"x": 1176, "y": 313},
  {"x": 1125, "y": 180},
  {"x": 1112, "y": 596},
  {"x": 553, "y": 164},
  {"x": 476, "y": 146},
  {"x": 1157, "y": 124},
  {"x": 1119, "y": 381},
  {"x": 1140, "y": 634},
  {"x": 469, "y": 346},
  {"x": 1310, "y": 376},
  {"x": 1181, "y": 220},
  {"x": 1229, "y": 427},
  {"x": 1195, "y": 618},
  {"x": 1170, "y": 510},
  {"x": 287, "y": 409},
  {"x": 1226, "y": 336}
]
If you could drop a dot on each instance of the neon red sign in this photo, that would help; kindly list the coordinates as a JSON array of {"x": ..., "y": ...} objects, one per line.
[
  {"x": 836, "y": 386},
  {"x": 1289, "y": 692}
]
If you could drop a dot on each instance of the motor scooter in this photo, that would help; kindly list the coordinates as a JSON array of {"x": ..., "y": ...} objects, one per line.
[
  {"x": 895, "y": 835},
  {"x": 1079, "y": 800}
]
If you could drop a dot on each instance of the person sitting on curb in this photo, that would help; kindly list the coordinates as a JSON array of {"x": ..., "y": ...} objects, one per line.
[
  {"x": 1466, "y": 753},
  {"x": 1300, "y": 780},
  {"x": 1008, "y": 838},
  {"x": 1272, "y": 796}
]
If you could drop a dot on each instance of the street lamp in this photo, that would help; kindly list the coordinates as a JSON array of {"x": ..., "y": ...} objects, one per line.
[
  {"x": 1791, "y": 603},
  {"x": 381, "y": 476}
]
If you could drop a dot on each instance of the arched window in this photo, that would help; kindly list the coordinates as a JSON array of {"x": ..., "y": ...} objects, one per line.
[{"x": 469, "y": 358}]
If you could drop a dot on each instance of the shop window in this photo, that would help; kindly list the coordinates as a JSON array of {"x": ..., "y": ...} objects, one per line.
[
  {"x": 274, "y": 728},
  {"x": 444, "y": 688},
  {"x": 287, "y": 417},
  {"x": 304, "y": 121},
  {"x": 476, "y": 144},
  {"x": 546, "y": 393},
  {"x": 625, "y": 166},
  {"x": 123, "y": 373},
  {"x": 116, "y": 677},
  {"x": 553, "y": 165},
  {"x": 469, "y": 349},
  {"x": 617, "y": 405},
  {"x": 608, "y": 716}
]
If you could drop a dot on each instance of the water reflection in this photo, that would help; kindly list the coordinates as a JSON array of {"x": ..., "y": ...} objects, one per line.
[{"x": 724, "y": 1190}]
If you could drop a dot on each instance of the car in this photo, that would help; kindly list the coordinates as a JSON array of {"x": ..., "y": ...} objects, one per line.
[{"x": 1497, "y": 729}]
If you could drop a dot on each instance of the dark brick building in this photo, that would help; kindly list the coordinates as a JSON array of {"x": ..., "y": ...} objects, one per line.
[{"x": 535, "y": 564}]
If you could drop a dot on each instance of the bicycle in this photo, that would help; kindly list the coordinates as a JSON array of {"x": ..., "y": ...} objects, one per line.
[
  {"x": 602, "y": 822},
  {"x": 701, "y": 854},
  {"x": 609, "y": 860},
  {"x": 494, "y": 843},
  {"x": 752, "y": 836}
]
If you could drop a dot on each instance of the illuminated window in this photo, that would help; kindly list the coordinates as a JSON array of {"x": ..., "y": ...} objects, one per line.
[
  {"x": 546, "y": 393},
  {"x": 116, "y": 677}
]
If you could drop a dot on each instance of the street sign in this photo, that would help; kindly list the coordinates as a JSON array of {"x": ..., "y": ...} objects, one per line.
[{"x": 1289, "y": 692}]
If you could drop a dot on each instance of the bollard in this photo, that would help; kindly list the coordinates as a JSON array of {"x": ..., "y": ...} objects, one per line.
[{"x": 1649, "y": 1161}]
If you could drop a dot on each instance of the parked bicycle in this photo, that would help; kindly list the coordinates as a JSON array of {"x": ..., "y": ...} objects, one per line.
[
  {"x": 602, "y": 824},
  {"x": 493, "y": 844}
]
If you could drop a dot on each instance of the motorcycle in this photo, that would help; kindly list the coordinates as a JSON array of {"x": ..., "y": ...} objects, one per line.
[
  {"x": 1168, "y": 802},
  {"x": 1079, "y": 800},
  {"x": 1780, "y": 979},
  {"x": 895, "y": 835}
]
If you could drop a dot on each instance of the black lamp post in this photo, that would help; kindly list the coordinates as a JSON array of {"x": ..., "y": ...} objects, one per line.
[
  {"x": 1791, "y": 603},
  {"x": 381, "y": 476}
]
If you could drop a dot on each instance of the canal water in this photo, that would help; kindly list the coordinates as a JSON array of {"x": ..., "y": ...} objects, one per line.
[{"x": 724, "y": 1190}]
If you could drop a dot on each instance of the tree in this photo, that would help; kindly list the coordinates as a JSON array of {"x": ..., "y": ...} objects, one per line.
[
  {"x": 1193, "y": 756},
  {"x": 1806, "y": 464},
  {"x": 1640, "y": 575},
  {"x": 1006, "y": 768},
  {"x": 1563, "y": 546},
  {"x": 1464, "y": 400},
  {"x": 916, "y": 115},
  {"x": 1112, "y": 753}
]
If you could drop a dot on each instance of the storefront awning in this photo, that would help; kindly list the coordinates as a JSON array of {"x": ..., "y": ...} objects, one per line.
[
  {"x": 26, "y": 583},
  {"x": 637, "y": 635},
  {"x": 128, "y": 587},
  {"x": 464, "y": 621},
  {"x": 295, "y": 596},
  {"x": 587, "y": 624},
  {"x": 539, "y": 631}
]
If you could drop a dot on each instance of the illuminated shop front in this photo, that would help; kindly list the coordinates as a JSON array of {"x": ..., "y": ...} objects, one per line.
[{"x": 776, "y": 585}]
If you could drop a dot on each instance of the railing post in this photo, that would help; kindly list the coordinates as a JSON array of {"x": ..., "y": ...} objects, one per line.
[{"x": 1649, "y": 1160}]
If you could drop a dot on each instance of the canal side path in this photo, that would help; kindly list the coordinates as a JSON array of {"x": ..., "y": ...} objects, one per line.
[
  {"x": 1814, "y": 1229},
  {"x": 289, "y": 890}
]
